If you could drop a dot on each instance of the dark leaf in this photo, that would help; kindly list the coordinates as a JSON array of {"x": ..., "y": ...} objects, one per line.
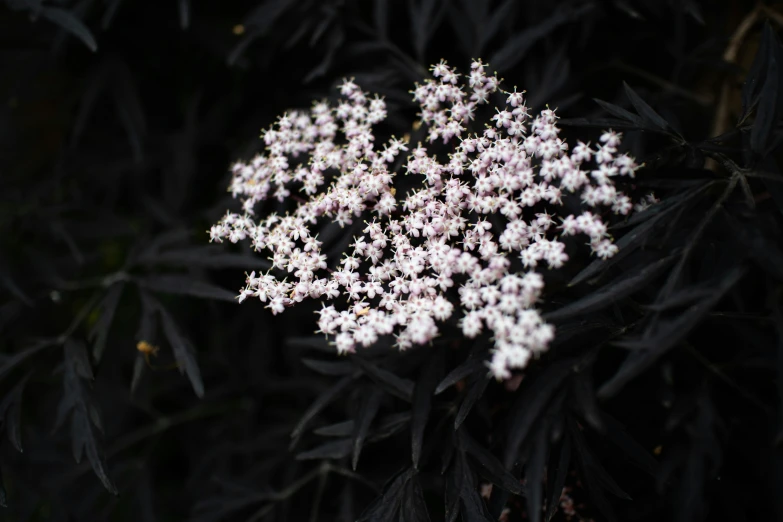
[
  {"x": 534, "y": 473},
  {"x": 517, "y": 46},
  {"x": 385, "y": 507},
  {"x": 458, "y": 473},
  {"x": 558, "y": 479},
  {"x": 467, "y": 368},
  {"x": 319, "y": 404},
  {"x": 184, "y": 353},
  {"x": 474, "y": 393},
  {"x": 649, "y": 348},
  {"x": 364, "y": 418},
  {"x": 414, "y": 508},
  {"x": 381, "y": 17},
  {"x": 644, "y": 110},
  {"x": 330, "y": 450},
  {"x": 70, "y": 23},
  {"x": 487, "y": 31},
  {"x": 334, "y": 42},
  {"x": 100, "y": 331},
  {"x": 397, "y": 386},
  {"x": 491, "y": 468},
  {"x": 239, "y": 49},
  {"x": 584, "y": 401},
  {"x": 130, "y": 108},
  {"x": 16, "y": 359},
  {"x": 11, "y": 412},
  {"x": 138, "y": 371},
  {"x": 341, "y": 429},
  {"x": 612, "y": 292},
  {"x": 530, "y": 405},
  {"x": 186, "y": 285},
  {"x": 422, "y": 402},
  {"x": 76, "y": 356},
  {"x": 389, "y": 425},
  {"x": 754, "y": 80},
  {"x": 619, "y": 112},
  {"x": 333, "y": 368}
]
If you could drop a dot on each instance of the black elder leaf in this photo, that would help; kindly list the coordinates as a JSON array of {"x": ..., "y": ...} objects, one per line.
[
  {"x": 77, "y": 403},
  {"x": 397, "y": 386},
  {"x": 70, "y": 23},
  {"x": 364, "y": 418},
  {"x": 76, "y": 357},
  {"x": 239, "y": 49},
  {"x": 619, "y": 112},
  {"x": 12, "y": 362},
  {"x": 652, "y": 345},
  {"x": 330, "y": 450},
  {"x": 386, "y": 507},
  {"x": 422, "y": 403},
  {"x": 184, "y": 353},
  {"x": 534, "y": 473},
  {"x": 332, "y": 368},
  {"x": 610, "y": 293},
  {"x": 467, "y": 368},
  {"x": 414, "y": 508},
  {"x": 206, "y": 257},
  {"x": 530, "y": 405},
  {"x": 11, "y": 412},
  {"x": 138, "y": 371},
  {"x": 323, "y": 400},
  {"x": 584, "y": 400},
  {"x": 129, "y": 108},
  {"x": 340, "y": 429},
  {"x": 755, "y": 79},
  {"x": 333, "y": 43},
  {"x": 426, "y": 16},
  {"x": 490, "y": 467},
  {"x": 100, "y": 331},
  {"x": 645, "y": 111},
  {"x": 777, "y": 316},
  {"x": 490, "y": 29},
  {"x": 769, "y": 105},
  {"x": 475, "y": 390},
  {"x": 389, "y": 425},
  {"x": 666, "y": 204},
  {"x": 454, "y": 485},
  {"x": 516, "y": 47},
  {"x": 558, "y": 478},
  {"x": 185, "y": 285}
]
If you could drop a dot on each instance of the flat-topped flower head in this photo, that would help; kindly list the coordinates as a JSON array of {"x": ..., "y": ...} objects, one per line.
[{"x": 463, "y": 248}]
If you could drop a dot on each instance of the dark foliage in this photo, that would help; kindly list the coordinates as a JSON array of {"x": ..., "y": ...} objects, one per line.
[{"x": 120, "y": 338}]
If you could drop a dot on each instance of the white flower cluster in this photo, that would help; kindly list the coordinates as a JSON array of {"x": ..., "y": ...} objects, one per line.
[{"x": 465, "y": 236}]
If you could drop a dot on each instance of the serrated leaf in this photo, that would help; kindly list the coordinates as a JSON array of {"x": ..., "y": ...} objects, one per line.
[
  {"x": 186, "y": 285},
  {"x": 584, "y": 401},
  {"x": 70, "y": 23},
  {"x": 76, "y": 356},
  {"x": 364, "y": 418},
  {"x": 558, "y": 479},
  {"x": 516, "y": 47},
  {"x": 11, "y": 412},
  {"x": 319, "y": 404},
  {"x": 100, "y": 331},
  {"x": 768, "y": 109},
  {"x": 668, "y": 333},
  {"x": 414, "y": 508},
  {"x": 422, "y": 403},
  {"x": 467, "y": 368},
  {"x": 609, "y": 294},
  {"x": 530, "y": 405},
  {"x": 619, "y": 112},
  {"x": 387, "y": 505},
  {"x": 184, "y": 353},
  {"x": 491, "y": 468},
  {"x": 534, "y": 473},
  {"x": 397, "y": 386},
  {"x": 475, "y": 391},
  {"x": 645, "y": 111}
]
